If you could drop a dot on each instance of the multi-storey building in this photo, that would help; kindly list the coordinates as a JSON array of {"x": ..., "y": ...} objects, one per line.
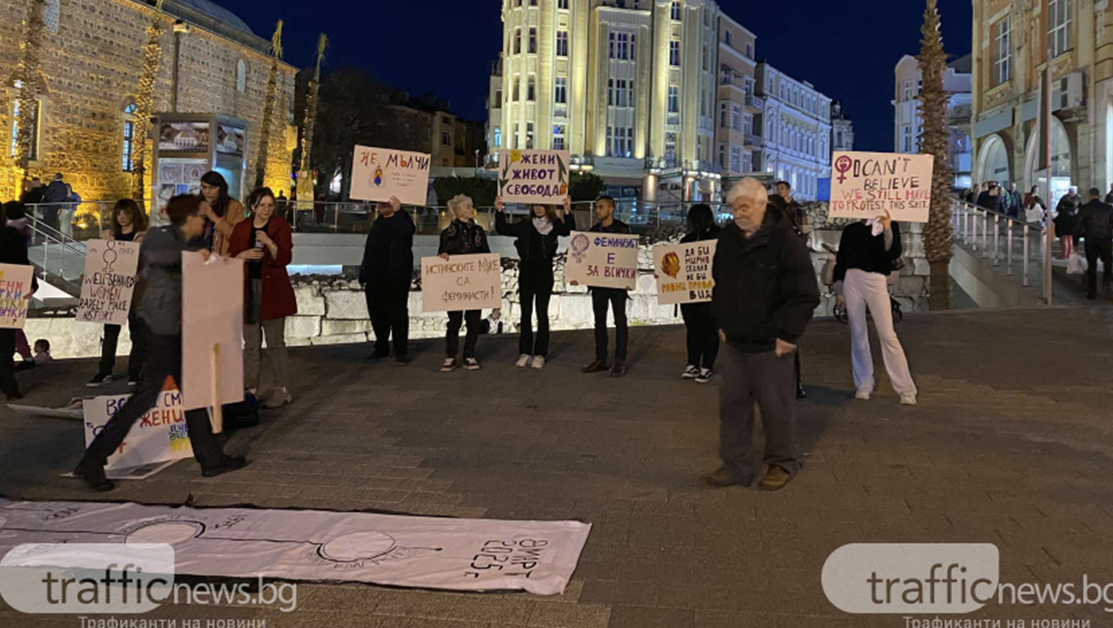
[
  {"x": 797, "y": 131},
  {"x": 908, "y": 125},
  {"x": 736, "y": 136},
  {"x": 842, "y": 128},
  {"x": 426, "y": 124}
]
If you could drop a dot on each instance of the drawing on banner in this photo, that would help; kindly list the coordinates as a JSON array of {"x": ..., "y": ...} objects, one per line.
[
  {"x": 15, "y": 289},
  {"x": 109, "y": 281},
  {"x": 379, "y": 174},
  {"x": 534, "y": 176},
  {"x": 212, "y": 331},
  {"x": 684, "y": 272},
  {"x": 603, "y": 260},
  {"x": 393, "y": 550},
  {"x": 865, "y": 185},
  {"x": 464, "y": 282},
  {"x": 159, "y": 436}
]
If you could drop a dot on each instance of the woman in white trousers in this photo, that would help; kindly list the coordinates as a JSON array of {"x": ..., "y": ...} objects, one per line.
[{"x": 865, "y": 260}]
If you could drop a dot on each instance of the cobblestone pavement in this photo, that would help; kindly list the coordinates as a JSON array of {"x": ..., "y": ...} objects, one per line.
[{"x": 1011, "y": 444}]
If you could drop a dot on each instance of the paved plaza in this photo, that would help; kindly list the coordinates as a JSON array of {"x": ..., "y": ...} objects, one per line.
[{"x": 1012, "y": 444}]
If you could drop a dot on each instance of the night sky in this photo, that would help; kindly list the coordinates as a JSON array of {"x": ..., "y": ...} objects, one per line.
[{"x": 847, "y": 49}]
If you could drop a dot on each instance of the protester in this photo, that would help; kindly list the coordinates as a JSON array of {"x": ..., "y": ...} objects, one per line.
[
  {"x": 55, "y": 197},
  {"x": 765, "y": 295},
  {"x": 386, "y": 274},
  {"x": 129, "y": 224},
  {"x": 221, "y": 210},
  {"x": 867, "y": 250},
  {"x": 703, "y": 336},
  {"x": 536, "y": 241},
  {"x": 991, "y": 199},
  {"x": 615, "y": 298},
  {"x": 161, "y": 309},
  {"x": 34, "y": 193},
  {"x": 462, "y": 237},
  {"x": 1066, "y": 212},
  {"x": 13, "y": 250},
  {"x": 1035, "y": 210},
  {"x": 1095, "y": 226},
  {"x": 1014, "y": 201},
  {"x": 265, "y": 243},
  {"x": 799, "y": 218},
  {"x": 42, "y": 352}
]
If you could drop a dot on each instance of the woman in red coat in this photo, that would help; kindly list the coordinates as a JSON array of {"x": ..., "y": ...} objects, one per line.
[{"x": 266, "y": 245}]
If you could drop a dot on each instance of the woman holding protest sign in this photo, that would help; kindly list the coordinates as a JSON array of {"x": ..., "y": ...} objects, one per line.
[
  {"x": 462, "y": 237},
  {"x": 703, "y": 335},
  {"x": 536, "y": 241},
  {"x": 13, "y": 250},
  {"x": 129, "y": 224},
  {"x": 266, "y": 245}
]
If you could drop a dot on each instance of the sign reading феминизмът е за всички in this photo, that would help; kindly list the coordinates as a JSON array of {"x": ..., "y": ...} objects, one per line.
[
  {"x": 534, "y": 176},
  {"x": 462, "y": 282},
  {"x": 380, "y": 173},
  {"x": 865, "y": 185},
  {"x": 683, "y": 272},
  {"x": 15, "y": 288},
  {"x": 109, "y": 281},
  {"x": 602, "y": 260}
]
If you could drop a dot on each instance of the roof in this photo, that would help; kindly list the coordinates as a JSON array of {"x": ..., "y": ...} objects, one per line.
[
  {"x": 220, "y": 13},
  {"x": 963, "y": 65}
]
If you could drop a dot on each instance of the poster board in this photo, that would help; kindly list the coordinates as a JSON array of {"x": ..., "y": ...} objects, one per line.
[
  {"x": 865, "y": 185},
  {"x": 602, "y": 260},
  {"x": 684, "y": 272},
  {"x": 464, "y": 282},
  {"x": 380, "y": 173},
  {"x": 15, "y": 288},
  {"x": 159, "y": 436},
  {"x": 534, "y": 176},
  {"x": 212, "y": 316},
  {"x": 109, "y": 281}
]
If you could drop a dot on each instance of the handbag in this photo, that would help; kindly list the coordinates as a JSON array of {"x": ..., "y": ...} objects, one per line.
[{"x": 1075, "y": 265}]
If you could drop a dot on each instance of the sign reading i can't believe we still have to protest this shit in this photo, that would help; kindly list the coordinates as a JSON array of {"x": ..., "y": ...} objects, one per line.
[
  {"x": 602, "y": 260},
  {"x": 380, "y": 173},
  {"x": 15, "y": 287},
  {"x": 462, "y": 282},
  {"x": 534, "y": 176},
  {"x": 865, "y": 185}
]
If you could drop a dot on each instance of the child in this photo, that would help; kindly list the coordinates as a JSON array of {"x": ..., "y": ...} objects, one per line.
[
  {"x": 462, "y": 237},
  {"x": 42, "y": 352}
]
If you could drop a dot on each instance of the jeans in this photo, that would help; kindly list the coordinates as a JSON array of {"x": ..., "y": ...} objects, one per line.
[
  {"x": 455, "y": 319},
  {"x": 1095, "y": 250},
  {"x": 277, "y": 358},
  {"x": 703, "y": 336},
  {"x": 388, "y": 307},
  {"x": 601, "y": 298},
  {"x": 863, "y": 290},
  {"x": 137, "y": 329},
  {"x": 7, "y": 368},
  {"x": 535, "y": 285},
  {"x": 765, "y": 380},
  {"x": 164, "y": 360}
]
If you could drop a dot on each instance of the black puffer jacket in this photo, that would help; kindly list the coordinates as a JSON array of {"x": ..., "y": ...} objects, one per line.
[
  {"x": 535, "y": 248},
  {"x": 463, "y": 238}
]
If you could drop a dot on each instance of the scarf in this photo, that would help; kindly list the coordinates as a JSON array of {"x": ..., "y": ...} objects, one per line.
[
  {"x": 876, "y": 227},
  {"x": 543, "y": 225}
]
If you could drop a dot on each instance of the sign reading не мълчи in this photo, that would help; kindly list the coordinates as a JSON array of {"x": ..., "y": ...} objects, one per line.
[
  {"x": 380, "y": 173},
  {"x": 865, "y": 185},
  {"x": 15, "y": 287},
  {"x": 462, "y": 282},
  {"x": 537, "y": 177},
  {"x": 684, "y": 272},
  {"x": 602, "y": 260},
  {"x": 109, "y": 281}
]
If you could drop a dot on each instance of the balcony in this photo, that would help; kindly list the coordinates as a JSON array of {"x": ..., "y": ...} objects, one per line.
[
  {"x": 753, "y": 141},
  {"x": 959, "y": 114},
  {"x": 756, "y": 104}
]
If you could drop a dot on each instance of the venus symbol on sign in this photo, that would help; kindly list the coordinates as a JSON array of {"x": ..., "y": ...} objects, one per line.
[{"x": 842, "y": 165}]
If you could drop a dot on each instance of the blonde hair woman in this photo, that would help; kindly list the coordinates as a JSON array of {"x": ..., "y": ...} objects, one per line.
[{"x": 462, "y": 237}]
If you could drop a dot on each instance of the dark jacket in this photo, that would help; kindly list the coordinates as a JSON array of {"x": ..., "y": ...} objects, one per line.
[
  {"x": 278, "y": 295},
  {"x": 160, "y": 272},
  {"x": 1014, "y": 203},
  {"x": 700, "y": 236},
  {"x": 35, "y": 196},
  {"x": 616, "y": 227},
  {"x": 463, "y": 238},
  {"x": 765, "y": 285},
  {"x": 995, "y": 203},
  {"x": 1095, "y": 221},
  {"x": 13, "y": 250},
  {"x": 56, "y": 192},
  {"x": 859, "y": 248},
  {"x": 533, "y": 247},
  {"x": 396, "y": 235},
  {"x": 1065, "y": 219}
]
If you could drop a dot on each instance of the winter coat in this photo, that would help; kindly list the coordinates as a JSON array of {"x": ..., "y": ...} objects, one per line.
[
  {"x": 278, "y": 294},
  {"x": 527, "y": 236},
  {"x": 463, "y": 238}
]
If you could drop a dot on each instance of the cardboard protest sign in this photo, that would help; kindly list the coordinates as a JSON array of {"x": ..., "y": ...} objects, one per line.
[
  {"x": 534, "y": 176},
  {"x": 110, "y": 275},
  {"x": 684, "y": 272},
  {"x": 464, "y": 282},
  {"x": 865, "y": 185},
  {"x": 212, "y": 330},
  {"x": 380, "y": 173},
  {"x": 159, "y": 436},
  {"x": 602, "y": 260},
  {"x": 15, "y": 288}
]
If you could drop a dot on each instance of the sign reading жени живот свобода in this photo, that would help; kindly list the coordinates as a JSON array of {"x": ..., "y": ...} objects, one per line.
[
  {"x": 866, "y": 185},
  {"x": 534, "y": 176}
]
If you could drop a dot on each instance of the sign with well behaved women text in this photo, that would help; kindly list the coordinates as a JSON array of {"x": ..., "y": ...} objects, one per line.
[
  {"x": 462, "y": 282},
  {"x": 602, "y": 260},
  {"x": 381, "y": 173},
  {"x": 160, "y": 435},
  {"x": 534, "y": 176},
  {"x": 683, "y": 272},
  {"x": 15, "y": 288},
  {"x": 109, "y": 281},
  {"x": 866, "y": 185}
]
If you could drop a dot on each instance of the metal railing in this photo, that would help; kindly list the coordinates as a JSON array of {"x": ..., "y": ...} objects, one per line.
[{"x": 1009, "y": 240}]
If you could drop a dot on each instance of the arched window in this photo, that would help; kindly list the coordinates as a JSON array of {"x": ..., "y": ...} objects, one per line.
[
  {"x": 129, "y": 136},
  {"x": 241, "y": 76}
]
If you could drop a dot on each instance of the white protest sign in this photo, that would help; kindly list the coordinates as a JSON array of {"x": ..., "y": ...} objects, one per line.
[
  {"x": 865, "y": 185},
  {"x": 602, "y": 260},
  {"x": 380, "y": 173},
  {"x": 159, "y": 436},
  {"x": 684, "y": 272},
  {"x": 212, "y": 330},
  {"x": 464, "y": 282},
  {"x": 110, "y": 274},
  {"x": 534, "y": 176},
  {"x": 15, "y": 288}
]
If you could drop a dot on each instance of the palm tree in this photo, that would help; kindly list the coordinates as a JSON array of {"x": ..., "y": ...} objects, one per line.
[
  {"x": 305, "y": 175},
  {"x": 268, "y": 108},
  {"x": 29, "y": 81},
  {"x": 145, "y": 102},
  {"x": 938, "y": 234}
]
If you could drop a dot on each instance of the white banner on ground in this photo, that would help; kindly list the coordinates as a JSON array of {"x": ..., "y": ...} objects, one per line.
[
  {"x": 212, "y": 325},
  {"x": 15, "y": 288},
  {"x": 425, "y": 552},
  {"x": 684, "y": 272},
  {"x": 380, "y": 173},
  {"x": 534, "y": 176},
  {"x": 109, "y": 281},
  {"x": 159, "y": 436},
  {"x": 865, "y": 185},
  {"x": 464, "y": 282},
  {"x": 602, "y": 260}
]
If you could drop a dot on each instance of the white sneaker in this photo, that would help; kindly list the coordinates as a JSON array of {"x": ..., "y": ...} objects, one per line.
[
  {"x": 523, "y": 361},
  {"x": 704, "y": 376},
  {"x": 862, "y": 395},
  {"x": 471, "y": 364},
  {"x": 538, "y": 362},
  {"x": 449, "y": 365},
  {"x": 908, "y": 399},
  {"x": 690, "y": 372}
]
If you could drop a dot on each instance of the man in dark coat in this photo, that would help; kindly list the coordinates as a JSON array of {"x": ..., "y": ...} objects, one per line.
[
  {"x": 386, "y": 274},
  {"x": 1095, "y": 225}
]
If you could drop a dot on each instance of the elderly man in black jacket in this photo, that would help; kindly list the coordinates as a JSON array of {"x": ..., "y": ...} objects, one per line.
[
  {"x": 1095, "y": 225},
  {"x": 386, "y": 274},
  {"x": 765, "y": 296}
]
